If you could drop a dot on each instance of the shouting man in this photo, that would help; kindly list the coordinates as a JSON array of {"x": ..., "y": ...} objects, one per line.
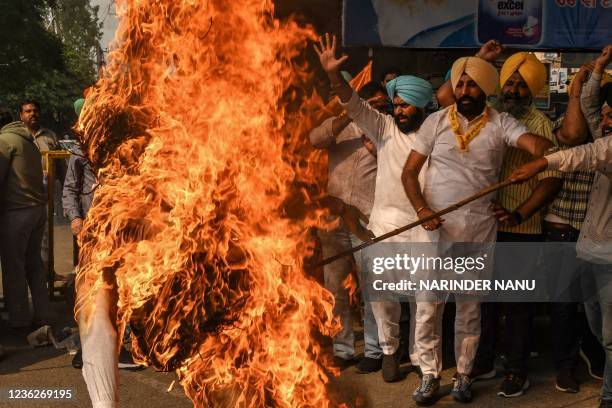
[{"x": 394, "y": 138}]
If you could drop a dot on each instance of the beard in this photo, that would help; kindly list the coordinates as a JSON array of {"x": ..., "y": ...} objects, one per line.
[
  {"x": 513, "y": 104},
  {"x": 412, "y": 122},
  {"x": 468, "y": 106}
]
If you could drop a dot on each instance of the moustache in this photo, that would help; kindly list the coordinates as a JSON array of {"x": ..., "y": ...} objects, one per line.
[
  {"x": 467, "y": 99},
  {"x": 512, "y": 97}
]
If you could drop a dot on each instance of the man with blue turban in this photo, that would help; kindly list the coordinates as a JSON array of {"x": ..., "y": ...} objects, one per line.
[
  {"x": 394, "y": 137},
  {"x": 410, "y": 95}
]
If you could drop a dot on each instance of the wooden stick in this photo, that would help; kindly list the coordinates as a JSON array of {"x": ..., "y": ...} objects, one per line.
[{"x": 397, "y": 231}]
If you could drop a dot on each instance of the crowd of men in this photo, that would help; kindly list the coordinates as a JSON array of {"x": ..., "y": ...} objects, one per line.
[{"x": 389, "y": 170}]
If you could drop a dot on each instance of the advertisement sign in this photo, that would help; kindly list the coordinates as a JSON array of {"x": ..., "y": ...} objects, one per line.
[{"x": 532, "y": 24}]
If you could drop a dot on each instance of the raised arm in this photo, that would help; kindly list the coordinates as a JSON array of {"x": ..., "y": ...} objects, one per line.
[
  {"x": 589, "y": 99},
  {"x": 326, "y": 50},
  {"x": 412, "y": 187},
  {"x": 574, "y": 128},
  {"x": 367, "y": 118},
  {"x": 488, "y": 52}
]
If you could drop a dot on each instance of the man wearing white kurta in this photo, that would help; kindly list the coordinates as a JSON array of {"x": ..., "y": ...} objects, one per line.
[
  {"x": 394, "y": 137},
  {"x": 391, "y": 208},
  {"x": 465, "y": 145}
]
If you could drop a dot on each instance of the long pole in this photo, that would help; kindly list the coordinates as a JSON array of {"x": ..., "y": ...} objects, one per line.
[{"x": 397, "y": 231}]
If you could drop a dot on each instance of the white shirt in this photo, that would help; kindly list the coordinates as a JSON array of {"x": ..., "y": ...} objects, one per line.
[
  {"x": 391, "y": 208},
  {"x": 454, "y": 175},
  {"x": 351, "y": 167},
  {"x": 595, "y": 242}
]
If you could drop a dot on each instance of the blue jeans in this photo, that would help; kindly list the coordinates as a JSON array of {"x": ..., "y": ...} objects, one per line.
[
  {"x": 597, "y": 289},
  {"x": 333, "y": 242}
]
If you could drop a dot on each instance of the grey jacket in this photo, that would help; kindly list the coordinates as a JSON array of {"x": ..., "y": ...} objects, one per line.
[{"x": 79, "y": 187}]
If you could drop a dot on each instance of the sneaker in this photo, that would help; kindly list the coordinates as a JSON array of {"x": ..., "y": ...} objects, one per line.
[
  {"x": 369, "y": 365},
  {"x": 514, "y": 385},
  {"x": 77, "y": 360},
  {"x": 566, "y": 381},
  {"x": 390, "y": 368},
  {"x": 462, "y": 389},
  {"x": 425, "y": 394},
  {"x": 126, "y": 361},
  {"x": 595, "y": 360}
]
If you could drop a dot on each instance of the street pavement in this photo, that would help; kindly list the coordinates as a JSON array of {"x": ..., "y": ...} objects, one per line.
[{"x": 46, "y": 368}]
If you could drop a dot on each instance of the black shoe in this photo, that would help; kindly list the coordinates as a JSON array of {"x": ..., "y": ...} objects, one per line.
[
  {"x": 462, "y": 389},
  {"x": 425, "y": 394},
  {"x": 605, "y": 404},
  {"x": 566, "y": 381},
  {"x": 126, "y": 361},
  {"x": 390, "y": 367},
  {"x": 514, "y": 385},
  {"x": 595, "y": 359},
  {"x": 369, "y": 365},
  {"x": 77, "y": 360}
]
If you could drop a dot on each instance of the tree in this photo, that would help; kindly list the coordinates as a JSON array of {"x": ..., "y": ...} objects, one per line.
[{"x": 48, "y": 54}]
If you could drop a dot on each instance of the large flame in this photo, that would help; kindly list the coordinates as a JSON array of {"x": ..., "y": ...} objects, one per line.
[{"x": 196, "y": 132}]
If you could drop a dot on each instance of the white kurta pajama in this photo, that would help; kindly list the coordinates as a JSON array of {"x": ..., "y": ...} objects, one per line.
[
  {"x": 391, "y": 207},
  {"x": 453, "y": 175}
]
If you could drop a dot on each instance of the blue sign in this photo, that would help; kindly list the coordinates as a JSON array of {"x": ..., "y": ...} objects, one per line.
[{"x": 531, "y": 24}]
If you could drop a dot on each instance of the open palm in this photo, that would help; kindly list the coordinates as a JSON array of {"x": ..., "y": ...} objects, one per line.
[{"x": 326, "y": 50}]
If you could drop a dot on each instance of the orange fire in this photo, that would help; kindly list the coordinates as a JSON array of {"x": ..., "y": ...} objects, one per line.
[{"x": 197, "y": 131}]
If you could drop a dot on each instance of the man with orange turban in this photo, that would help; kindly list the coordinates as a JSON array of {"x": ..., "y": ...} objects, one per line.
[
  {"x": 518, "y": 207},
  {"x": 518, "y": 211},
  {"x": 464, "y": 146}
]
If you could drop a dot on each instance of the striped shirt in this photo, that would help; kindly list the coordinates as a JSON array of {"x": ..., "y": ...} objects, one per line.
[
  {"x": 573, "y": 198},
  {"x": 514, "y": 195}
]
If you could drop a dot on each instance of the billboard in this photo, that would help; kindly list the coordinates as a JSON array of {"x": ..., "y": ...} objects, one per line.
[{"x": 530, "y": 24}]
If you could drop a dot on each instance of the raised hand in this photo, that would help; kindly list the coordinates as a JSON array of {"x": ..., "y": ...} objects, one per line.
[
  {"x": 581, "y": 78},
  {"x": 326, "y": 50},
  {"x": 603, "y": 60},
  {"x": 490, "y": 50}
]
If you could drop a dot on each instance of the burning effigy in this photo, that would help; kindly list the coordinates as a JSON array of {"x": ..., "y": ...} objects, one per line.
[{"x": 198, "y": 156}]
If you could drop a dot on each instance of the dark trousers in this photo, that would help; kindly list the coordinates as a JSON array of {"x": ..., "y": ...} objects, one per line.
[
  {"x": 568, "y": 324},
  {"x": 518, "y": 332},
  {"x": 21, "y": 233}
]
